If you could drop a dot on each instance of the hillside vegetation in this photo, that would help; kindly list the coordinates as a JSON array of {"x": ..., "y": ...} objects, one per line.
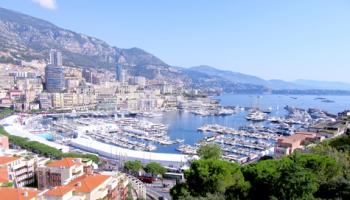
[{"x": 322, "y": 173}]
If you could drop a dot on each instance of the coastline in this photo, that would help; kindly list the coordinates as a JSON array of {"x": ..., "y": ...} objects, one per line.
[{"x": 12, "y": 126}]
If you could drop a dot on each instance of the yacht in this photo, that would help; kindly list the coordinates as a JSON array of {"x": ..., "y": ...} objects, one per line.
[
  {"x": 327, "y": 101},
  {"x": 274, "y": 119},
  {"x": 256, "y": 115},
  {"x": 151, "y": 147},
  {"x": 267, "y": 110}
]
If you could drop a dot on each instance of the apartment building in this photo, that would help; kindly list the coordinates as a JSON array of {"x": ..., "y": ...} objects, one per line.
[
  {"x": 57, "y": 100},
  {"x": 45, "y": 100},
  {"x": 287, "y": 145},
  {"x": 93, "y": 186},
  {"x": 17, "y": 170},
  {"x": 72, "y": 83},
  {"x": 69, "y": 100},
  {"x": 62, "y": 172},
  {"x": 4, "y": 142}
]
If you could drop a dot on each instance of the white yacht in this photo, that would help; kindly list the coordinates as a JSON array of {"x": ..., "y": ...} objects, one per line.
[{"x": 256, "y": 115}]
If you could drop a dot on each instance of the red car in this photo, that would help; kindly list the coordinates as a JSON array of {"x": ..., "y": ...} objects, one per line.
[{"x": 147, "y": 179}]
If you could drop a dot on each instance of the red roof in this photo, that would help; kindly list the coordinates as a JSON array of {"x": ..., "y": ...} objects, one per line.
[
  {"x": 88, "y": 183},
  {"x": 59, "y": 191},
  {"x": 17, "y": 193},
  {"x": 4, "y": 175},
  {"x": 65, "y": 162},
  {"x": 7, "y": 159},
  {"x": 83, "y": 184}
]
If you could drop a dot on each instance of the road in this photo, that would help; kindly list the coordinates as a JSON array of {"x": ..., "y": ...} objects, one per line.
[{"x": 157, "y": 189}]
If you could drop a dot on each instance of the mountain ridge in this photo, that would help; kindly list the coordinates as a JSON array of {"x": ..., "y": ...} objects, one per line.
[
  {"x": 21, "y": 32},
  {"x": 326, "y": 85},
  {"x": 275, "y": 84},
  {"x": 23, "y": 37},
  {"x": 227, "y": 74}
]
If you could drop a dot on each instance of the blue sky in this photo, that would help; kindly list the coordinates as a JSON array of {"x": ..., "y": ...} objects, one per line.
[{"x": 273, "y": 39}]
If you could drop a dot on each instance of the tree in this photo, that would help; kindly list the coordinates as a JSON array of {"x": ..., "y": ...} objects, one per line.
[
  {"x": 7, "y": 184},
  {"x": 213, "y": 176},
  {"x": 44, "y": 149},
  {"x": 294, "y": 177},
  {"x": 132, "y": 166},
  {"x": 216, "y": 196},
  {"x": 337, "y": 187},
  {"x": 294, "y": 182},
  {"x": 324, "y": 173},
  {"x": 341, "y": 158},
  {"x": 262, "y": 177},
  {"x": 341, "y": 143},
  {"x": 5, "y": 112},
  {"x": 209, "y": 151},
  {"x": 323, "y": 167},
  {"x": 180, "y": 191},
  {"x": 155, "y": 169}
]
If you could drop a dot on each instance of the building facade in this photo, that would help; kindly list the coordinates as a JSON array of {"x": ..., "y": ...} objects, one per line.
[
  {"x": 93, "y": 186},
  {"x": 61, "y": 172},
  {"x": 55, "y": 58},
  {"x": 287, "y": 145},
  {"x": 4, "y": 142},
  {"x": 54, "y": 73},
  {"x": 54, "y": 78},
  {"x": 18, "y": 170}
]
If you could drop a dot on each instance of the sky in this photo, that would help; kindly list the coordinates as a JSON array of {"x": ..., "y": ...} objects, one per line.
[{"x": 272, "y": 39}]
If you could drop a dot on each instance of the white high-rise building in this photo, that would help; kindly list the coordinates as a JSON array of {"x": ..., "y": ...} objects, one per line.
[{"x": 55, "y": 58}]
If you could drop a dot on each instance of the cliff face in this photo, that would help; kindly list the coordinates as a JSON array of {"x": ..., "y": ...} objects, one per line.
[{"x": 26, "y": 37}]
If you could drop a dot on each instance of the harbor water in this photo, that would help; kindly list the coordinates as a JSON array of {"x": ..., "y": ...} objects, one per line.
[{"x": 183, "y": 125}]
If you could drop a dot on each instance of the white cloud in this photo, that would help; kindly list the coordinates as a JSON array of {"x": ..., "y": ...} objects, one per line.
[{"x": 48, "y": 4}]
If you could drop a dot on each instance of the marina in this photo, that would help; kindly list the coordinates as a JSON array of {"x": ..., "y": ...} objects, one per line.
[
  {"x": 237, "y": 145},
  {"x": 258, "y": 138},
  {"x": 208, "y": 107},
  {"x": 243, "y": 135},
  {"x": 131, "y": 133}
]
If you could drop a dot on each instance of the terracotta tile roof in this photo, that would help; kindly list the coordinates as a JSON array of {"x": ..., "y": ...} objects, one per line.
[
  {"x": 88, "y": 183},
  {"x": 64, "y": 162},
  {"x": 299, "y": 136},
  {"x": 18, "y": 193},
  {"x": 4, "y": 176},
  {"x": 83, "y": 184},
  {"x": 7, "y": 159},
  {"x": 4, "y": 180},
  {"x": 59, "y": 191}
]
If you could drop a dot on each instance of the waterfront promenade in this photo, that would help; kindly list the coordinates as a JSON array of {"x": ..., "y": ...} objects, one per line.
[
  {"x": 13, "y": 126},
  {"x": 115, "y": 152}
]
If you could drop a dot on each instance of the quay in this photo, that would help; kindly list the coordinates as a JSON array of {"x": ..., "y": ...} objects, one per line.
[
  {"x": 13, "y": 126},
  {"x": 215, "y": 128},
  {"x": 118, "y": 153}
]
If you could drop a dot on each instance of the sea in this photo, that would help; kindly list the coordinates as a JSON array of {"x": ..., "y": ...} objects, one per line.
[{"x": 184, "y": 125}]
